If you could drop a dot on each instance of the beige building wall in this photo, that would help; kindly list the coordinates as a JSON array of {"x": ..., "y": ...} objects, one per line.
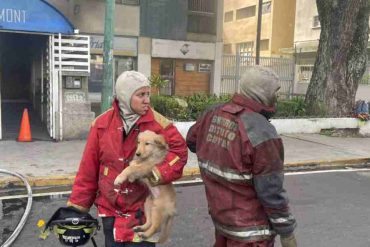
[
  {"x": 282, "y": 26},
  {"x": 277, "y": 26},
  {"x": 306, "y": 35},
  {"x": 88, "y": 16}
]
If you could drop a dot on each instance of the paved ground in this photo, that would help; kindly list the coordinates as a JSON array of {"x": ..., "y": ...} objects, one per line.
[
  {"x": 53, "y": 163},
  {"x": 331, "y": 210}
]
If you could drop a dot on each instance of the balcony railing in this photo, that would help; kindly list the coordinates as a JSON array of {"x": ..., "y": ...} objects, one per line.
[{"x": 204, "y": 6}]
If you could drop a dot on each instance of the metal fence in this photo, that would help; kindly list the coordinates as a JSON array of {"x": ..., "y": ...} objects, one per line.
[
  {"x": 234, "y": 65},
  {"x": 366, "y": 77},
  {"x": 304, "y": 73}
]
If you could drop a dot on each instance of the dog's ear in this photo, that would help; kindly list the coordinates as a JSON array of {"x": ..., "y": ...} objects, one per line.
[{"x": 160, "y": 141}]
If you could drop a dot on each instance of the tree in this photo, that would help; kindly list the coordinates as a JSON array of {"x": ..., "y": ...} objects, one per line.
[
  {"x": 158, "y": 82},
  {"x": 342, "y": 55}
]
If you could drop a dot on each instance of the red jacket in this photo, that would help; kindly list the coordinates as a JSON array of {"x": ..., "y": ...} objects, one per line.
[
  {"x": 107, "y": 152},
  {"x": 241, "y": 161}
]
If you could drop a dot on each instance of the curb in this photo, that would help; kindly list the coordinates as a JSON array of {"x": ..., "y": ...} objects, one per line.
[{"x": 68, "y": 179}]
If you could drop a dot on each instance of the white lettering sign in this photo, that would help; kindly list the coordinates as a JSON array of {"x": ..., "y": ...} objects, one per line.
[
  {"x": 183, "y": 49},
  {"x": 128, "y": 45},
  {"x": 75, "y": 97},
  {"x": 13, "y": 15}
]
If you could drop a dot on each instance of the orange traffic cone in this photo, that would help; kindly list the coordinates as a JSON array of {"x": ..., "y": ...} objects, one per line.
[{"x": 25, "y": 131}]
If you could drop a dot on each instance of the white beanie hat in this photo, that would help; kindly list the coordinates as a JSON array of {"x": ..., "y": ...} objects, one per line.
[
  {"x": 260, "y": 84},
  {"x": 126, "y": 85}
]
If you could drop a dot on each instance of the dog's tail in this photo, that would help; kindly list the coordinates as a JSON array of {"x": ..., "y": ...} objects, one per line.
[{"x": 166, "y": 230}]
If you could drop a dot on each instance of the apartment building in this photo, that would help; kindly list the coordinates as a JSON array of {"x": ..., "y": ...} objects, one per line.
[
  {"x": 306, "y": 41},
  {"x": 51, "y": 56},
  {"x": 240, "y": 27},
  {"x": 182, "y": 41}
]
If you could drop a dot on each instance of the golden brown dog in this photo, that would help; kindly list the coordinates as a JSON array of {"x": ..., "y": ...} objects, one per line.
[{"x": 160, "y": 206}]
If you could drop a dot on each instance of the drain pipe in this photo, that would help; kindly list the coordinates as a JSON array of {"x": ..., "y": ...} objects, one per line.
[{"x": 22, "y": 222}]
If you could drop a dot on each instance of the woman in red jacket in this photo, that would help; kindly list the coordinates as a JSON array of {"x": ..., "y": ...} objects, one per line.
[{"x": 110, "y": 146}]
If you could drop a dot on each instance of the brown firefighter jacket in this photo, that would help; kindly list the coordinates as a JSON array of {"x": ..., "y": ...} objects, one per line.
[
  {"x": 107, "y": 152},
  {"x": 241, "y": 160}
]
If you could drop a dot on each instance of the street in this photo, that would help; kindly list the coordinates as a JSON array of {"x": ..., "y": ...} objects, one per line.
[{"x": 331, "y": 210}]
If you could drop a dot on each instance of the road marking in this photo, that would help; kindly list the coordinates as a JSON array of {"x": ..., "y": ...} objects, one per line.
[
  {"x": 327, "y": 171},
  {"x": 189, "y": 182}
]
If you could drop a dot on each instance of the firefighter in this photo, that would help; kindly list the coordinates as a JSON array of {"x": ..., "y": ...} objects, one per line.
[
  {"x": 110, "y": 146},
  {"x": 241, "y": 158}
]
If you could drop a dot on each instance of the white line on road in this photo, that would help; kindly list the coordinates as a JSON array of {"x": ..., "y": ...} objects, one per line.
[
  {"x": 349, "y": 169},
  {"x": 190, "y": 182}
]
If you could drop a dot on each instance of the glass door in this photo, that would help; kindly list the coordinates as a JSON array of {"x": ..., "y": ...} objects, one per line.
[{"x": 167, "y": 72}]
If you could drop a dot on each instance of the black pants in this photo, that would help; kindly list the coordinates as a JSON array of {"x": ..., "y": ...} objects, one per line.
[{"x": 108, "y": 223}]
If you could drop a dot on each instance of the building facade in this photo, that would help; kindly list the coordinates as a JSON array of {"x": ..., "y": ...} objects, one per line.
[
  {"x": 182, "y": 42},
  {"x": 56, "y": 71},
  {"x": 240, "y": 27},
  {"x": 306, "y": 41}
]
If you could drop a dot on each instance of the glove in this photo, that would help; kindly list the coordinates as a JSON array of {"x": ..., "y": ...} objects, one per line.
[{"x": 288, "y": 241}]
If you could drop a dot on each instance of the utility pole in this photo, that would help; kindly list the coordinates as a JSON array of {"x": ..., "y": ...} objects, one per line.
[
  {"x": 107, "y": 88},
  {"x": 258, "y": 38}
]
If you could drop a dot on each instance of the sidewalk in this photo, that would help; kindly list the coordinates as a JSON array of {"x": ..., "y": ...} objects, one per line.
[{"x": 55, "y": 163}]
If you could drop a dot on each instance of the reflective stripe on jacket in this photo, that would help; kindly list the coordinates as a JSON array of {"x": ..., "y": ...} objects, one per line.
[{"x": 107, "y": 152}]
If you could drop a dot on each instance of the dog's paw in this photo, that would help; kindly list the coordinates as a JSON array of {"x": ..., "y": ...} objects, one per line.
[
  {"x": 142, "y": 235},
  {"x": 137, "y": 229},
  {"x": 119, "y": 180}
]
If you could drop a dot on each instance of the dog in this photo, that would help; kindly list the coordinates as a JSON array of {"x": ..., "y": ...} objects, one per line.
[{"x": 160, "y": 206}]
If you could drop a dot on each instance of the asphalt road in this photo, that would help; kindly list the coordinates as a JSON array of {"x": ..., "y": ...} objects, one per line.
[{"x": 332, "y": 210}]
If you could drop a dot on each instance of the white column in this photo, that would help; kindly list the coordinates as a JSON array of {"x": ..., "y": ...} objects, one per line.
[
  {"x": 217, "y": 67},
  {"x": 144, "y": 57}
]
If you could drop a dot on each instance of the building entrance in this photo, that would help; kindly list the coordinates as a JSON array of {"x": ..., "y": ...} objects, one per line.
[{"x": 22, "y": 60}]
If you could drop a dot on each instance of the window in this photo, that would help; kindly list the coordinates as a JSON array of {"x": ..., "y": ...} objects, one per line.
[
  {"x": 167, "y": 73},
  {"x": 128, "y": 2},
  {"x": 202, "y": 16},
  {"x": 264, "y": 45},
  {"x": 229, "y": 16},
  {"x": 246, "y": 12},
  {"x": 316, "y": 22},
  {"x": 228, "y": 49},
  {"x": 245, "y": 49},
  {"x": 266, "y": 7},
  {"x": 121, "y": 64},
  {"x": 206, "y": 6},
  {"x": 201, "y": 24},
  {"x": 305, "y": 73}
]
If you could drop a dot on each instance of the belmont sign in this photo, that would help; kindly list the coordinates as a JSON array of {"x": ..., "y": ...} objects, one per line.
[
  {"x": 33, "y": 16},
  {"x": 13, "y": 15}
]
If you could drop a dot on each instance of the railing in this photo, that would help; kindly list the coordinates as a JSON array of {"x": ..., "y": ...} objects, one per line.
[
  {"x": 235, "y": 65},
  {"x": 71, "y": 53},
  {"x": 207, "y": 6}
]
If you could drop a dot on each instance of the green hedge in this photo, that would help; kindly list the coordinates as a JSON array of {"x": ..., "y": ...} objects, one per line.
[
  {"x": 189, "y": 108},
  {"x": 197, "y": 103},
  {"x": 170, "y": 107}
]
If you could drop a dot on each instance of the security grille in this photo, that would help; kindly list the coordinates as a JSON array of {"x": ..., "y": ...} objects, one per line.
[
  {"x": 71, "y": 53},
  {"x": 234, "y": 65}
]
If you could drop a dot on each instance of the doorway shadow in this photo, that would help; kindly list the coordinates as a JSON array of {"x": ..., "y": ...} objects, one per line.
[{"x": 11, "y": 120}]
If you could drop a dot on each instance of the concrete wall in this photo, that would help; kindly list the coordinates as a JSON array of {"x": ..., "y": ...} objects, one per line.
[
  {"x": 88, "y": 16},
  {"x": 308, "y": 126},
  {"x": 303, "y": 31},
  {"x": 363, "y": 91},
  {"x": 283, "y": 16}
]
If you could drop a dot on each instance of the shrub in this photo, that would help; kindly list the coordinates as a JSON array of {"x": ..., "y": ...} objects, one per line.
[
  {"x": 295, "y": 107},
  {"x": 197, "y": 103},
  {"x": 157, "y": 82},
  {"x": 170, "y": 107}
]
